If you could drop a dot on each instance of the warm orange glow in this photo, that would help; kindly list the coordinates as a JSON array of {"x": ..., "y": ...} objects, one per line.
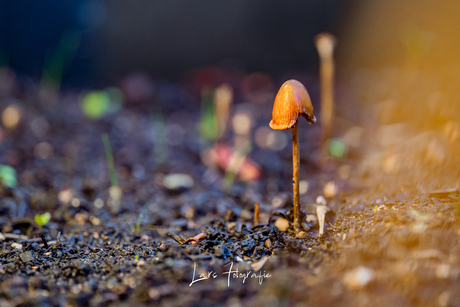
[
  {"x": 403, "y": 62},
  {"x": 11, "y": 117}
]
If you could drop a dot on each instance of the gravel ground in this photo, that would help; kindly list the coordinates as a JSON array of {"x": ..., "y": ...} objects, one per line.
[{"x": 194, "y": 244}]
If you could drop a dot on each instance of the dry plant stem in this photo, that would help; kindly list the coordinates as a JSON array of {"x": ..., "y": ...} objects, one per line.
[
  {"x": 327, "y": 97},
  {"x": 256, "y": 214},
  {"x": 196, "y": 239},
  {"x": 295, "y": 175},
  {"x": 325, "y": 46}
]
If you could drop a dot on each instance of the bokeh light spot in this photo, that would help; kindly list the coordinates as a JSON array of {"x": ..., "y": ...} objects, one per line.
[
  {"x": 95, "y": 104},
  {"x": 65, "y": 196},
  {"x": 267, "y": 138},
  {"x": 43, "y": 150},
  {"x": 11, "y": 117},
  {"x": 39, "y": 127},
  {"x": 337, "y": 148},
  {"x": 75, "y": 202},
  {"x": 280, "y": 140},
  {"x": 303, "y": 187},
  {"x": 241, "y": 123},
  {"x": 8, "y": 176},
  {"x": 98, "y": 203}
]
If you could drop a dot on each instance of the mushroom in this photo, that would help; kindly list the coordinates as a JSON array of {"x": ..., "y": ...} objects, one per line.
[
  {"x": 321, "y": 213},
  {"x": 325, "y": 43},
  {"x": 291, "y": 101}
]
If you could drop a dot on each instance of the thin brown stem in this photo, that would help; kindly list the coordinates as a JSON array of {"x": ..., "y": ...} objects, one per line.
[
  {"x": 325, "y": 44},
  {"x": 295, "y": 175},
  {"x": 256, "y": 214},
  {"x": 327, "y": 96}
]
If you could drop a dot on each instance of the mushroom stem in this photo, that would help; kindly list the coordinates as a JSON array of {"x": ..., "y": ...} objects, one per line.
[
  {"x": 295, "y": 175},
  {"x": 321, "y": 213},
  {"x": 256, "y": 214},
  {"x": 325, "y": 44},
  {"x": 327, "y": 95}
]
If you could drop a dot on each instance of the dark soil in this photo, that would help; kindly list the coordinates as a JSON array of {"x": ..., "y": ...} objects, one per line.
[{"x": 380, "y": 248}]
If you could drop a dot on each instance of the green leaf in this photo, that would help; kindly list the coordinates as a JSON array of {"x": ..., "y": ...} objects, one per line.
[
  {"x": 337, "y": 148},
  {"x": 8, "y": 176},
  {"x": 95, "y": 104},
  {"x": 42, "y": 219},
  {"x": 139, "y": 220},
  {"x": 208, "y": 125}
]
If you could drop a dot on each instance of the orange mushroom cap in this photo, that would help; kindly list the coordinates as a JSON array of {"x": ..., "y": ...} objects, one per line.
[{"x": 291, "y": 101}]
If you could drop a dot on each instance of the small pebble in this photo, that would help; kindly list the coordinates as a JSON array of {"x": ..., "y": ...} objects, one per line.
[
  {"x": 282, "y": 224},
  {"x": 16, "y": 245},
  {"x": 26, "y": 257},
  {"x": 268, "y": 243},
  {"x": 178, "y": 181},
  {"x": 300, "y": 234}
]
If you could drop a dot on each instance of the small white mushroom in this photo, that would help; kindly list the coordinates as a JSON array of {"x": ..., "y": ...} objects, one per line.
[
  {"x": 16, "y": 246},
  {"x": 320, "y": 200},
  {"x": 321, "y": 213}
]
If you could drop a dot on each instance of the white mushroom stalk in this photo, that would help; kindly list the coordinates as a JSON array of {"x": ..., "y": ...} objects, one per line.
[
  {"x": 223, "y": 98},
  {"x": 321, "y": 213},
  {"x": 325, "y": 43}
]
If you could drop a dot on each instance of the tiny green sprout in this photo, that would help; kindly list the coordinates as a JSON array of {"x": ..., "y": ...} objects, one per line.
[
  {"x": 42, "y": 219},
  {"x": 337, "y": 148},
  {"x": 208, "y": 125},
  {"x": 8, "y": 176},
  {"x": 138, "y": 225},
  {"x": 375, "y": 208},
  {"x": 359, "y": 218},
  {"x": 136, "y": 258},
  {"x": 95, "y": 104}
]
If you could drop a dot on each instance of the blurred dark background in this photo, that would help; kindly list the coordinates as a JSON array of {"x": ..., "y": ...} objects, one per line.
[
  {"x": 95, "y": 43},
  {"x": 396, "y": 82},
  {"x": 401, "y": 57}
]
